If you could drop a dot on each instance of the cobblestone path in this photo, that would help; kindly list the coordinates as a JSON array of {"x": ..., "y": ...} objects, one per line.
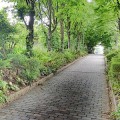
[{"x": 77, "y": 93}]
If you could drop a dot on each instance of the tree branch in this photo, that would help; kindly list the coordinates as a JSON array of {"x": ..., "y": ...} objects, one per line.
[{"x": 25, "y": 23}]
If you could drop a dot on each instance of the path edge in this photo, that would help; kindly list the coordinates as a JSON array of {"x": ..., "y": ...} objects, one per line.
[
  {"x": 113, "y": 103},
  {"x": 41, "y": 81}
]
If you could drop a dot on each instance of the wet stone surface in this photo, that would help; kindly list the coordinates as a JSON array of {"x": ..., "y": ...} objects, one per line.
[{"x": 78, "y": 93}]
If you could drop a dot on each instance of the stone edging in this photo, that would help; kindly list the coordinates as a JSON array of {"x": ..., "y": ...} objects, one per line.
[
  {"x": 25, "y": 90},
  {"x": 113, "y": 102}
]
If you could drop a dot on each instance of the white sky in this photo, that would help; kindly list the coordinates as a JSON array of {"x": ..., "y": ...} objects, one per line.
[
  {"x": 5, "y": 4},
  {"x": 9, "y": 6},
  {"x": 89, "y": 0},
  {"x": 99, "y": 49}
]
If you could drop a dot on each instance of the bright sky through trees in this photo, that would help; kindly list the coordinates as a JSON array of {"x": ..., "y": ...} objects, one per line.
[
  {"x": 9, "y": 6},
  {"x": 5, "y": 4},
  {"x": 89, "y": 0}
]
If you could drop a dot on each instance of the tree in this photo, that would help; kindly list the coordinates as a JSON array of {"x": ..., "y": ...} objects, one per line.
[
  {"x": 102, "y": 28},
  {"x": 62, "y": 25},
  {"x": 47, "y": 14},
  {"x": 7, "y": 42},
  {"x": 27, "y": 8},
  {"x": 109, "y": 12}
]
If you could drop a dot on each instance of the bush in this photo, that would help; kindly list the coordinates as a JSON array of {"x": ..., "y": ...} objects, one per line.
[
  {"x": 31, "y": 69},
  {"x": 69, "y": 56},
  {"x": 42, "y": 63},
  {"x": 3, "y": 89},
  {"x": 3, "y": 85},
  {"x": 43, "y": 70},
  {"x": 5, "y": 64},
  {"x": 43, "y": 56},
  {"x": 113, "y": 59},
  {"x": 51, "y": 61},
  {"x": 57, "y": 60},
  {"x": 17, "y": 60},
  {"x": 116, "y": 114},
  {"x": 3, "y": 97},
  {"x": 111, "y": 55},
  {"x": 115, "y": 67}
]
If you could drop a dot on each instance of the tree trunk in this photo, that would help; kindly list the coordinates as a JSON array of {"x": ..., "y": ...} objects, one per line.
[
  {"x": 78, "y": 42},
  {"x": 30, "y": 36},
  {"x": 50, "y": 24},
  {"x": 119, "y": 24},
  {"x": 117, "y": 35},
  {"x": 118, "y": 5},
  {"x": 49, "y": 39},
  {"x": 68, "y": 32},
  {"x": 83, "y": 41},
  {"x": 62, "y": 34}
]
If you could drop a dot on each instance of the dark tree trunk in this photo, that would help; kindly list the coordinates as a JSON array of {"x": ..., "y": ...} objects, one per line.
[
  {"x": 83, "y": 41},
  {"x": 117, "y": 34},
  {"x": 30, "y": 36},
  {"x": 62, "y": 34},
  {"x": 119, "y": 24},
  {"x": 50, "y": 24},
  {"x": 68, "y": 32},
  {"x": 118, "y": 5},
  {"x": 49, "y": 39},
  {"x": 78, "y": 42},
  {"x": 49, "y": 13}
]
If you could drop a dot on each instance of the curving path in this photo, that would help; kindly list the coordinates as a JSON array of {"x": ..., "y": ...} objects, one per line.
[{"x": 78, "y": 93}]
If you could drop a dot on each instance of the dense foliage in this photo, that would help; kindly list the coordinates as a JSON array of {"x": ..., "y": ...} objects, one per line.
[{"x": 113, "y": 59}]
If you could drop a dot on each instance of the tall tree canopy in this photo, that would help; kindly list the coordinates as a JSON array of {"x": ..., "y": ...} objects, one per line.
[{"x": 79, "y": 23}]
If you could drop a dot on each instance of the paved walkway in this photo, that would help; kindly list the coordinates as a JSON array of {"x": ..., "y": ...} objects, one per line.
[{"x": 77, "y": 93}]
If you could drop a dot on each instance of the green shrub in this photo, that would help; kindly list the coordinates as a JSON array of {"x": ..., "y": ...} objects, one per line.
[
  {"x": 114, "y": 71},
  {"x": 3, "y": 97},
  {"x": 31, "y": 69},
  {"x": 82, "y": 53},
  {"x": 43, "y": 56},
  {"x": 113, "y": 59},
  {"x": 116, "y": 114},
  {"x": 3, "y": 85},
  {"x": 115, "y": 66},
  {"x": 51, "y": 61},
  {"x": 111, "y": 55},
  {"x": 42, "y": 63},
  {"x": 3, "y": 90},
  {"x": 17, "y": 60},
  {"x": 69, "y": 56},
  {"x": 43, "y": 70},
  {"x": 57, "y": 61},
  {"x": 5, "y": 64}
]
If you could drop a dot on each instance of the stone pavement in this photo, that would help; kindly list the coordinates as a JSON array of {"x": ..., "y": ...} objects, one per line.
[{"x": 77, "y": 93}]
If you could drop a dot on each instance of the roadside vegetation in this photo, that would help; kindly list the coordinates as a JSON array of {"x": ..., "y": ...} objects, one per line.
[
  {"x": 54, "y": 33},
  {"x": 113, "y": 60}
]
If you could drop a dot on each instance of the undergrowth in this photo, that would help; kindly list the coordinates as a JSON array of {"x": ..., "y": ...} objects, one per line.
[
  {"x": 18, "y": 70},
  {"x": 113, "y": 59}
]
